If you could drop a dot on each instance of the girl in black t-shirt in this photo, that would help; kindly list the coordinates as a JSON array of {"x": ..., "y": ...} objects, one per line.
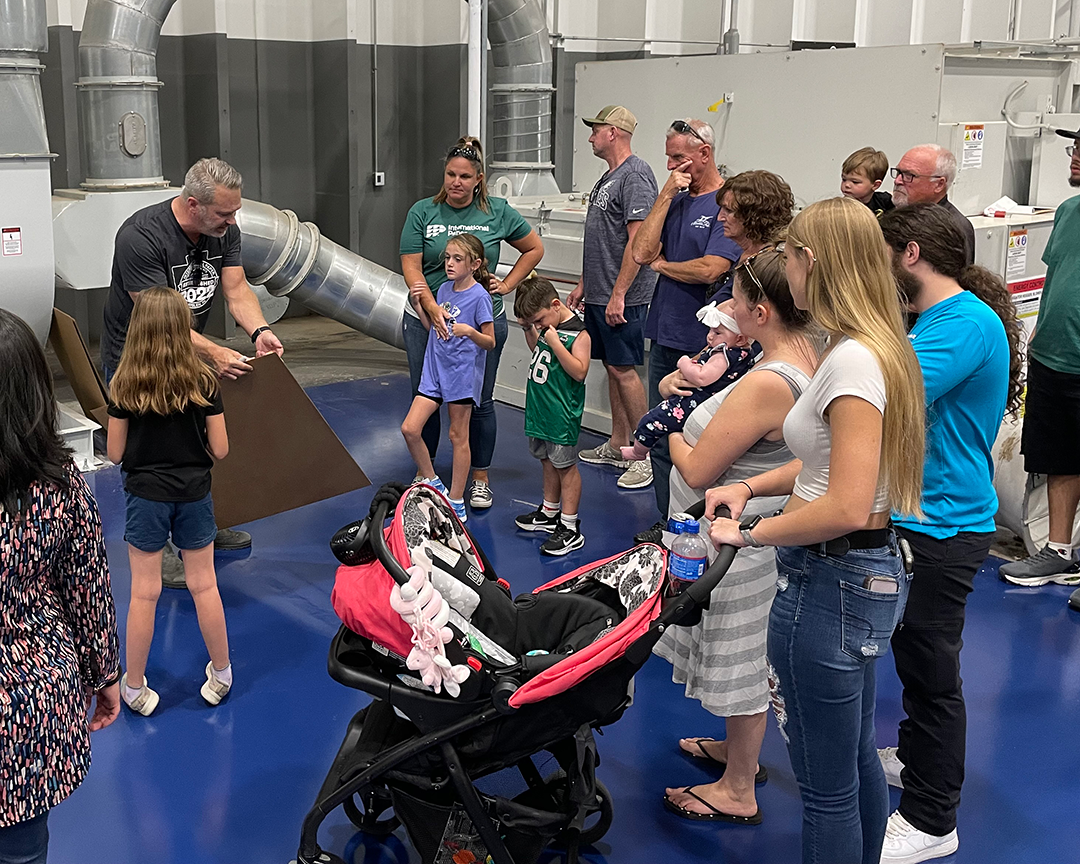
[{"x": 165, "y": 429}]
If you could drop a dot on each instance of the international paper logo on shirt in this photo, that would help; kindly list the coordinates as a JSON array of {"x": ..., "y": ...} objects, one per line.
[
  {"x": 701, "y": 222},
  {"x": 433, "y": 231}
]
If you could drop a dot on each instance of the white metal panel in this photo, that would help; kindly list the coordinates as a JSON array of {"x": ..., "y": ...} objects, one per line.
[
  {"x": 1050, "y": 165},
  {"x": 793, "y": 112},
  {"x": 26, "y": 273},
  {"x": 888, "y": 22},
  {"x": 976, "y": 186}
]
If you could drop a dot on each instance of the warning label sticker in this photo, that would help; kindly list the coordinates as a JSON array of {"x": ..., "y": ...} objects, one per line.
[
  {"x": 12, "y": 241},
  {"x": 973, "y": 147}
]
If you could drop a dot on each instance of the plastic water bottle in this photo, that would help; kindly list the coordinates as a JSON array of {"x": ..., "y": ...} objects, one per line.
[{"x": 688, "y": 558}]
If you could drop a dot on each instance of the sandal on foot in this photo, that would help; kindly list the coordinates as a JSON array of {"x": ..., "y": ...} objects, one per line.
[
  {"x": 715, "y": 816},
  {"x": 762, "y": 775}
]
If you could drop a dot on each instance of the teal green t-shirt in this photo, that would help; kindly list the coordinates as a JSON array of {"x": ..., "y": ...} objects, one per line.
[
  {"x": 429, "y": 225},
  {"x": 1056, "y": 342}
]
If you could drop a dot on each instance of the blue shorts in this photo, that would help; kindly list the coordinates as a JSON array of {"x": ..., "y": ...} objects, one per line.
[
  {"x": 149, "y": 523},
  {"x": 621, "y": 345}
]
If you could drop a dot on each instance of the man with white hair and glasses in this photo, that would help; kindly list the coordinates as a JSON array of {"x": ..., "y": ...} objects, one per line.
[
  {"x": 190, "y": 243},
  {"x": 683, "y": 241},
  {"x": 924, "y": 175}
]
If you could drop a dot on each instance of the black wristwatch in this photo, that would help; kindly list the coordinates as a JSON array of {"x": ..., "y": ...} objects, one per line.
[
  {"x": 255, "y": 333},
  {"x": 748, "y": 525}
]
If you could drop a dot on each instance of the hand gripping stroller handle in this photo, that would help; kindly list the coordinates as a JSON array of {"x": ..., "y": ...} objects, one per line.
[
  {"x": 377, "y": 538},
  {"x": 696, "y": 595}
]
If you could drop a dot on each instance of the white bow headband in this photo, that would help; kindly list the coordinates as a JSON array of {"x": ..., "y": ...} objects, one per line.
[{"x": 711, "y": 316}]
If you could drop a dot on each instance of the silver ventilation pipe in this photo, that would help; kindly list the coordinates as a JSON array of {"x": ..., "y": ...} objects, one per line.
[
  {"x": 521, "y": 89},
  {"x": 292, "y": 259},
  {"x": 118, "y": 93},
  {"x": 26, "y": 278}
]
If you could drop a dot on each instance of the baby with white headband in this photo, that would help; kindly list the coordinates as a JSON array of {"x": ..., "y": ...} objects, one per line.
[{"x": 726, "y": 357}]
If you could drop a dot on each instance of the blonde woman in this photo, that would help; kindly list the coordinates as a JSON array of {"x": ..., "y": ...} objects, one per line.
[{"x": 857, "y": 435}]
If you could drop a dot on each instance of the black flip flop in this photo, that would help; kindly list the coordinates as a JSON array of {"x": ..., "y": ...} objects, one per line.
[
  {"x": 761, "y": 777},
  {"x": 715, "y": 816}
]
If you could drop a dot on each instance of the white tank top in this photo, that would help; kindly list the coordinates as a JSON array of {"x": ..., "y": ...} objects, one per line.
[{"x": 849, "y": 369}]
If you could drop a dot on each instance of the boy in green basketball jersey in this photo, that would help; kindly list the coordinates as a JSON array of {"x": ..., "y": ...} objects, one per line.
[{"x": 554, "y": 403}]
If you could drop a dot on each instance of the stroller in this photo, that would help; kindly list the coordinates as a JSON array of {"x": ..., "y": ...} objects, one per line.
[{"x": 546, "y": 669}]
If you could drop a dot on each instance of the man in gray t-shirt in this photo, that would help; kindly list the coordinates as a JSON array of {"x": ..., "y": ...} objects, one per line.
[{"x": 614, "y": 291}]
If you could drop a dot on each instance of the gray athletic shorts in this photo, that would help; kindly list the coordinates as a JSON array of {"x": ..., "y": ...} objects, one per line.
[{"x": 559, "y": 455}]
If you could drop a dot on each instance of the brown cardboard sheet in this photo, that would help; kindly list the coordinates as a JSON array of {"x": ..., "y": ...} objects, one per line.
[
  {"x": 282, "y": 453},
  {"x": 67, "y": 342}
]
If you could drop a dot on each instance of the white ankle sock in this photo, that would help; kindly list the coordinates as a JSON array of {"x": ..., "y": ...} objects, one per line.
[
  {"x": 551, "y": 509},
  {"x": 222, "y": 675},
  {"x": 132, "y": 693},
  {"x": 569, "y": 520},
  {"x": 1062, "y": 549}
]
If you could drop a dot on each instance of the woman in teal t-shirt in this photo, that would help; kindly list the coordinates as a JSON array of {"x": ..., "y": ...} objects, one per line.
[{"x": 462, "y": 206}]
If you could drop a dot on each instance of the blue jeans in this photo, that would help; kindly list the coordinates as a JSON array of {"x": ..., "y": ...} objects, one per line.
[
  {"x": 25, "y": 842},
  {"x": 662, "y": 362},
  {"x": 826, "y": 632},
  {"x": 482, "y": 425}
]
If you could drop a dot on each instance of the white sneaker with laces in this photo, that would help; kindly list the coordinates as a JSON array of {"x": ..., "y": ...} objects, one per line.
[
  {"x": 605, "y": 454},
  {"x": 892, "y": 765},
  {"x": 480, "y": 497},
  {"x": 906, "y": 844}
]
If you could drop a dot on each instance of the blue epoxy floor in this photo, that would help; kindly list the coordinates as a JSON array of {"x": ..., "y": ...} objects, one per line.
[{"x": 196, "y": 784}]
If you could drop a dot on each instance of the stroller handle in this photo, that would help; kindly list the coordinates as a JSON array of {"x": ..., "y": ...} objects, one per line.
[{"x": 378, "y": 543}]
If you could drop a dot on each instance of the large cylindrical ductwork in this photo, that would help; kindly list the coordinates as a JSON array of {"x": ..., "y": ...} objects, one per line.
[
  {"x": 118, "y": 93},
  {"x": 292, "y": 259},
  {"x": 26, "y": 278},
  {"x": 521, "y": 90}
]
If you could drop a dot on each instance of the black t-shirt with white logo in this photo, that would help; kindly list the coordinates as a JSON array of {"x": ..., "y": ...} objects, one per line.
[
  {"x": 152, "y": 250},
  {"x": 166, "y": 457}
]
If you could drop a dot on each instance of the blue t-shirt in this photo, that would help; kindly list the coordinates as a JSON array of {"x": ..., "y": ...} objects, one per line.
[
  {"x": 454, "y": 367},
  {"x": 690, "y": 231},
  {"x": 964, "y": 355}
]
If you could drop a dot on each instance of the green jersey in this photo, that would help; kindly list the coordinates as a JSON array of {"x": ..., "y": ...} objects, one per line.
[
  {"x": 1056, "y": 342},
  {"x": 429, "y": 225},
  {"x": 554, "y": 402}
]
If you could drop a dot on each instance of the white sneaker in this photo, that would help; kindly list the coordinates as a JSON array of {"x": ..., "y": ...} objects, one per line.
[
  {"x": 145, "y": 701},
  {"x": 906, "y": 844},
  {"x": 214, "y": 690},
  {"x": 637, "y": 476},
  {"x": 892, "y": 765}
]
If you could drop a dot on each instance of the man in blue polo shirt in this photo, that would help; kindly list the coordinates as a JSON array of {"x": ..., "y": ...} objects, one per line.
[
  {"x": 967, "y": 351},
  {"x": 682, "y": 241}
]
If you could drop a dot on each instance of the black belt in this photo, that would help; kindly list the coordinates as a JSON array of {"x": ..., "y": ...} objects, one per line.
[{"x": 869, "y": 538}]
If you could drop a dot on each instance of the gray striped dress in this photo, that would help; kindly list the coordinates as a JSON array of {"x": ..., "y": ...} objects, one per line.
[{"x": 721, "y": 660}]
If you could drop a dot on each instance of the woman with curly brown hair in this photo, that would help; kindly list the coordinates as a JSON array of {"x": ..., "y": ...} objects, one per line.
[{"x": 755, "y": 207}]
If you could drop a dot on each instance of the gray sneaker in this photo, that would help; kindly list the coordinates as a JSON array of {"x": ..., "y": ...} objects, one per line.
[
  {"x": 1043, "y": 567},
  {"x": 172, "y": 568},
  {"x": 1074, "y": 600},
  {"x": 637, "y": 476},
  {"x": 605, "y": 454}
]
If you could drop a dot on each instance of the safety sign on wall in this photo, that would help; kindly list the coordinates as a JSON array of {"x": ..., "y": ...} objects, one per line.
[
  {"x": 1016, "y": 256},
  {"x": 973, "y": 147},
  {"x": 12, "y": 241}
]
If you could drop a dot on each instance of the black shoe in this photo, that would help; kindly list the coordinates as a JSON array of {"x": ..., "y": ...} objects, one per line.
[
  {"x": 1074, "y": 600},
  {"x": 172, "y": 569},
  {"x": 537, "y": 520},
  {"x": 564, "y": 540},
  {"x": 228, "y": 540},
  {"x": 652, "y": 535}
]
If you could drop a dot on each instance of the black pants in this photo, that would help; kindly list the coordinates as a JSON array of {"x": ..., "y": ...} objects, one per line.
[{"x": 926, "y": 647}]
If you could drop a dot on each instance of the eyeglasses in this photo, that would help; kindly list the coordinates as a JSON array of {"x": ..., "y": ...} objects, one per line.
[
  {"x": 465, "y": 152},
  {"x": 1070, "y": 150},
  {"x": 681, "y": 127},
  {"x": 911, "y": 176}
]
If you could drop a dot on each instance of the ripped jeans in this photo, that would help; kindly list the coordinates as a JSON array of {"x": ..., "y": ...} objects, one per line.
[{"x": 826, "y": 632}]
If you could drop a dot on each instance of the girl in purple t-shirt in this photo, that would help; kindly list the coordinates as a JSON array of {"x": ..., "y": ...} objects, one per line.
[{"x": 454, "y": 363}]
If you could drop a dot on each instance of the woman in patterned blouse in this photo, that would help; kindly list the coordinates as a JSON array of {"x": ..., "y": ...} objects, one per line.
[{"x": 58, "y": 641}]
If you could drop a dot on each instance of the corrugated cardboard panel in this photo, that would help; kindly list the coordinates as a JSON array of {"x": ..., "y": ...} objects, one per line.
[{"x": 67, "y": 342}]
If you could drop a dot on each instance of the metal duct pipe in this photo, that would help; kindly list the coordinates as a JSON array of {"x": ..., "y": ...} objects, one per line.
[
  {"x": 118, "y": 93},
  {"x": 26, "y": 278},
  {"x": 521, "y": 147},
  {"x": 292, "y": 259}
]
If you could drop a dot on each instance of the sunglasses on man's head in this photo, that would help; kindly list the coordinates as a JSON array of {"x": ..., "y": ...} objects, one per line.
[{"x": 681, "y": 127}]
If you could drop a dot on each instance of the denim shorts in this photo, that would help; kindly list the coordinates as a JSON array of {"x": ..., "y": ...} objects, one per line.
[{"x": 149, "y": 523}]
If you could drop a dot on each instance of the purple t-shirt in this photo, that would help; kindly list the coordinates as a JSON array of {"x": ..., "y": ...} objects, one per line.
[
  {"x": 690, "y": 231},
  {"x": 454, "y": 367}
]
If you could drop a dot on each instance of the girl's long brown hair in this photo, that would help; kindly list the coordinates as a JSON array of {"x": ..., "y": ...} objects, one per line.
[
  {"x": 159, "y": 371},
  {"x": 473, "y": 246}
]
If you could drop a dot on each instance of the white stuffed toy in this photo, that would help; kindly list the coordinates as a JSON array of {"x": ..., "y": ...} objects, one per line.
[{"x": 423, "y": 608}]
